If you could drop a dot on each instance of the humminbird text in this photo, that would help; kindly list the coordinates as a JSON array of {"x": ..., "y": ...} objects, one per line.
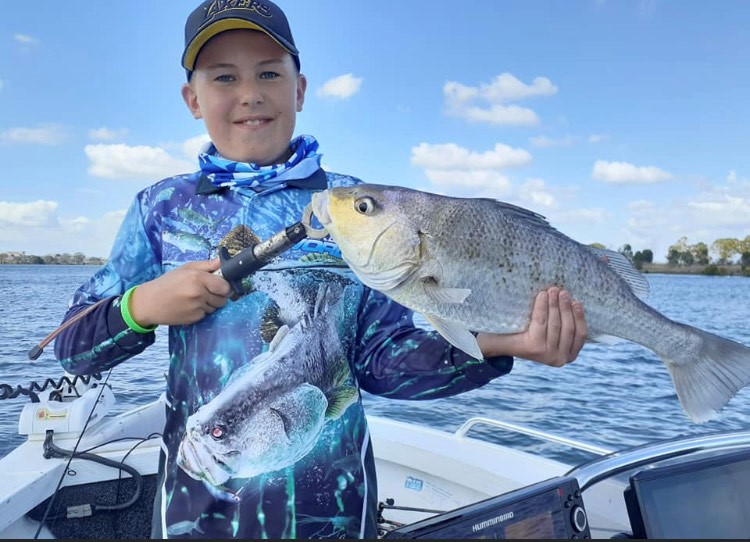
[{"x": 492, "y": 521}]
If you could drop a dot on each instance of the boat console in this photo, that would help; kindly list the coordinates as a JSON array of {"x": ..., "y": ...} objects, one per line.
[
  {"x": 703, "y": 498},
  {"x": 551, "y": 509}
]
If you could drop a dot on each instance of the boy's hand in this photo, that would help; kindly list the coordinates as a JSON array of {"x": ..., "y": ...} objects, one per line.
[
  {"x": 556, "y": 333},
  {"x": 182, "y": 296}
]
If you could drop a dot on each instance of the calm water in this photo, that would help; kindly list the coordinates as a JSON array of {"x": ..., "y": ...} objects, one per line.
[{"x": 613, "y": 395}]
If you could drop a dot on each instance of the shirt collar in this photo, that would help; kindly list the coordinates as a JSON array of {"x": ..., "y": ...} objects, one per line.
[{"x": 317, "y": 181}]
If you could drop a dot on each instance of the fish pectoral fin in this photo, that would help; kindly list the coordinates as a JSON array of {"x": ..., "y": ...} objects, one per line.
[
  {"x": 445, "y": 295},
  {"x": 386, "y": 279},
  {"x": 339, "y": 399},
  {"x": 457, "y": 335}
]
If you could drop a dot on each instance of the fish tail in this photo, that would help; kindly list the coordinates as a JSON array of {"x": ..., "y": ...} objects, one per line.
[{"x": 708, "y": 372}]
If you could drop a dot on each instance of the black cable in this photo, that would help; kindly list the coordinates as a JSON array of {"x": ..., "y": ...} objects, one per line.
[
  {"x": 70, "y": 458},
  {"x": 8, "y": 392},
  {"x": 140, "y": 440},
  {"x": 52, "y": 450}
]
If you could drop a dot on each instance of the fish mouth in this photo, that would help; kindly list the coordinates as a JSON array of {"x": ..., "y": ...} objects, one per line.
[
  {"x": 192, "y": 463},
  {"x": 320, "y": 207}
]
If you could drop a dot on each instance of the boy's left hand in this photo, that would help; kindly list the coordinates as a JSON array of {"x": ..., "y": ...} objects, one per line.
[{"x": 555, "y": 336}]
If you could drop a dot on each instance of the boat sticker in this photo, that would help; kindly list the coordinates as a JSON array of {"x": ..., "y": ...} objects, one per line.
[
  {"x": 413, "y": 483},
  {"x": 44, "y": 414}
]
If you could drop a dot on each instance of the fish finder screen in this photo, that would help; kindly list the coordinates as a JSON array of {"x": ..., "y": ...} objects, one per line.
[
  {"x": 706, "y": 498},
  {"x": 542, "y": 515}
]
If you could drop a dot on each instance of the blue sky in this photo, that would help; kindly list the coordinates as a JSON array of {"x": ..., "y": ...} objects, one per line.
[{"x": 620, "y": 121}]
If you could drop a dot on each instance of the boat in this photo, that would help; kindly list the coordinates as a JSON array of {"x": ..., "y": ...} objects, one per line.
[{"x": 85, "y": 471}]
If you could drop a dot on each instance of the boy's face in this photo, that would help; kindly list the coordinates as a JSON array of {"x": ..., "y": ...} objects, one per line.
[{"x": 247, "y": 90}]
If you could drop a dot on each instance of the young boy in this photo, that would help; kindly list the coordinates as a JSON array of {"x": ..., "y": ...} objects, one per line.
[{"x": 266, "y": 436}]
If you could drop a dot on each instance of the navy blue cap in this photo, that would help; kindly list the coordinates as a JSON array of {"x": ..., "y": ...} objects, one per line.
[{"x": 215, "y": 16}]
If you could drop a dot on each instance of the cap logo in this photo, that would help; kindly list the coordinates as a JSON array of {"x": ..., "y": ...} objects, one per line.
[{"x": 220, "y": 6}]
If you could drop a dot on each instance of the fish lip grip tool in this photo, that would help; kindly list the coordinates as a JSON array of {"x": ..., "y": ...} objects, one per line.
[{"x": 249, "y": 260}]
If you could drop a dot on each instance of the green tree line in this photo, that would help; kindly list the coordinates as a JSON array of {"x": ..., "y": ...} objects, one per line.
[
  {"x": 726, "y": 251},
  {"x": 714, "y": 259},
  {"x": 77, "y": 258}
]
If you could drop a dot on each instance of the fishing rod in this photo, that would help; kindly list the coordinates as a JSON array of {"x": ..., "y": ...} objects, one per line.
[{"x": 233, "y": 268}]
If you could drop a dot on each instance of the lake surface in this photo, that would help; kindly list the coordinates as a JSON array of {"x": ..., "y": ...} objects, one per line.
[{"x": 614, "y": 395}]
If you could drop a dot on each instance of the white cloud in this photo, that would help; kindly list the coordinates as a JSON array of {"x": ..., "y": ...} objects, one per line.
[
  {"x": 121, "y": 161},
  {"x": 504, "y": 88},
  {"x": 451, "y": 156},
  {"x": 35, "y": 214},
  {"x": 36, "y": 228},
  {"x": 99, "y": 232},
  {"x": 625, "y": 173},
  {"x": 342, "y": 87},
  {"x": 722, "y": 210},
  {"x": 544, "y": 141},
  {"x": 105, "y": 134},
  {"x": 598, "y": 138},
  {"x": 25, "y": 39},
  {"x": 496, "y": 95},
  {"x": 736, "y": 182},
  {"x": 537, "y": 194},
  {"x": 477, "y": 181},
  {"x": 51, "y": 134},
  {"x": 458, "y": 169},
  {"x": 501, "y": 114},
  {"x": 192, "y": 147}
]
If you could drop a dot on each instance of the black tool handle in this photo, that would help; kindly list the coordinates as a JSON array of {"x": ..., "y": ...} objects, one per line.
[
  {"x": 252, "y": 258},
  {"x": 235, "y": 268}
]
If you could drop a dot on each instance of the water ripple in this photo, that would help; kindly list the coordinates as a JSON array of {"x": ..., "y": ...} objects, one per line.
[{"x": 613, "y": 395}]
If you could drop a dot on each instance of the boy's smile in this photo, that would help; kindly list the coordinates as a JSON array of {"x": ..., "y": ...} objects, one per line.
[{"x": 247, "y": 90}]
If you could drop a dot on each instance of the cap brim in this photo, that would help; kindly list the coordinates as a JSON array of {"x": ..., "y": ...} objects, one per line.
[{"x": 191, "y": 51}]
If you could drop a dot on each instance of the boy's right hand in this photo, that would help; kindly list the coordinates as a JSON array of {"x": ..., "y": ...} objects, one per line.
[{"x": 182, "y": 296}]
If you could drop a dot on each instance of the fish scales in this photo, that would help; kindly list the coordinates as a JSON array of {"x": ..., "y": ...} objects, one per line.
[
  {"x": 475, "y": 265},
  {"x": 502, "y": 255}
]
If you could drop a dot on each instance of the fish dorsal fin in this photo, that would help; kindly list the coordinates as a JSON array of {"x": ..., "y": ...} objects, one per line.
[
  {"x": 522, "y": 213},
  {"x": 445, "y": 295},
  {"x": 280, "y": 334},
  {"x": 456, "y": 334},
  {"x": 624, "y": 268}
]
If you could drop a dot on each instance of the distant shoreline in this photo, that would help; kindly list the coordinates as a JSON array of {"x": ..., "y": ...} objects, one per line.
[
  {"x": 647, "y": 268},
  {"x": 710, "y": 269},
  {"x": 53, "y": 264}
]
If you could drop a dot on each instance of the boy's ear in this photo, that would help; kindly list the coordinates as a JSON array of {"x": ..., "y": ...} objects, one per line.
[
  {"x": 301, "y": 86},
  {"x": 191, "y": 100}
]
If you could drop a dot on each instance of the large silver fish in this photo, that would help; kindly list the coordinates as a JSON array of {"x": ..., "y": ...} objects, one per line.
[{"x": 474, "y": 264}]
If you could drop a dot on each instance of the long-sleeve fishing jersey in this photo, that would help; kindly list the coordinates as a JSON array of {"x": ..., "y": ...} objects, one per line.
[{"x": 266, "y": 435}]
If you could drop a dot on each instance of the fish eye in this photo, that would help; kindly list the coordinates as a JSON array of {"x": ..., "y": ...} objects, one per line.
[
  {"x": 218, "y": 432},
  {"x": 364, "y": 205}
]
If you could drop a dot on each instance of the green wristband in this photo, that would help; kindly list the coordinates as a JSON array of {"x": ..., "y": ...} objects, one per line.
[{"x": 125, "y": 311}]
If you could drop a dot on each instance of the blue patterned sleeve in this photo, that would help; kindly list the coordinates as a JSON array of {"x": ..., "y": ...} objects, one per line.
[
  {"x": 100, "y": 339},
  {"x": 396, "y": 359}
]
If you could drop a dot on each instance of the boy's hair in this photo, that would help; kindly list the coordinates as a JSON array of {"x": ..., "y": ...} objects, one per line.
[{"x": 215, "y": 16}]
